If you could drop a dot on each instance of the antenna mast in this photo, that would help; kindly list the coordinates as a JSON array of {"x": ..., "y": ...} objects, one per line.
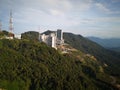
[
  {"x": 0, "y": 26},
  {"x": 11, "y": 23}
]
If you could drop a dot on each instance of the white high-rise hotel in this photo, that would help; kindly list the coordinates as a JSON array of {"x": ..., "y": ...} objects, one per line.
[{"x": 53, "y": 39}]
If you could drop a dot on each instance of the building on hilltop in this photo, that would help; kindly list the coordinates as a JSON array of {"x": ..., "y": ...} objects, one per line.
[
  {"x": 60, "y": 40},
  {"x": 59, "y": 34},
  {"x": 17, "y": 36},
  {"x": 52, "y": 39}
]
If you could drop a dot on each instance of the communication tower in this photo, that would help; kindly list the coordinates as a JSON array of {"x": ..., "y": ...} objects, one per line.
[{"x": 11, "y": 23}]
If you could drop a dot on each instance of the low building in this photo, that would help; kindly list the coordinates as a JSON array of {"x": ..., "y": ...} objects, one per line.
[
  {"x": 18, "y": 36},
  {"x": 6, "y": 35}
]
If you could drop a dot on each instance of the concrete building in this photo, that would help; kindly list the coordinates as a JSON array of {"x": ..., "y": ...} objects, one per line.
[
  {"x": 53, "y": 39},
  {"x": 59, "y": 37},
  {"x": 59, "y": 34},
  {"x": 50, "y": 39},
  {"x": 18, "y": 36}
]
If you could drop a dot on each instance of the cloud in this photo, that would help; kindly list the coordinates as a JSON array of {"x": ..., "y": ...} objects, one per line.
[
  {"x": 75, "y": 15},
  {"x": 37, "y": 17},
  {"x": 56, "y": 12},
  {"x": 81, "y": 5},
  {"x": 53, "y": 16},
  {"x": 102, "y": 7},
  {"x": 48, "y": 5},
  {"x": 105, "y": 20},
  {"x": 108, "y": 8},
  {"x": 58, "y": 4},
  {"x": 51, "y": 12}
]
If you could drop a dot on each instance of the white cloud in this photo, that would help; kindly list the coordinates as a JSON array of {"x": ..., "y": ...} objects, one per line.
[
  {"x": 102, "y": 7},
  {"x": 81, "y": 5},
  {"x": 74, "y": 15},
  {"x": 105, "y": 20},
  {"x": 56, "y": 12},
  {"x": 59, "y": 4},
  {"x": 37, "y": 17}
]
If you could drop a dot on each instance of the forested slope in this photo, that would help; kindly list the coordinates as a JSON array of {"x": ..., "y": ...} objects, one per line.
[
  {"x": 112, "y": 59},
  {"x": 31, "y": 65}
]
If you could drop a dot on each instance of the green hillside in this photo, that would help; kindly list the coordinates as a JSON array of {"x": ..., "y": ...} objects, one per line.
[
  {"x": 31, "y": 65},
  {"x": 112, "y": 59},
  {"x": 31, "y": 35},
  {"x": 117, "y": 49}
]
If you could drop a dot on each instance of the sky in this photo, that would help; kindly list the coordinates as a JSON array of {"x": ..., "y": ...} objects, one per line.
[{"x": 99, "y": 18}]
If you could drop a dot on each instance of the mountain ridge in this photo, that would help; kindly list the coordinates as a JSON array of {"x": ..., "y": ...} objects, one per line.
[
  {"x": 107, "y": 43},
  {"x": 90, "y": 47},
  {"x": 35, "y": 65}
]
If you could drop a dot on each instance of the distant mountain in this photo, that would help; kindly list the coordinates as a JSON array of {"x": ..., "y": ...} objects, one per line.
[
  {"x": 117, "y": 49},
  {"x": 107, "y": 43},
  {"x": 48, "y": 32},
  {"x": 112, "y": 59}
]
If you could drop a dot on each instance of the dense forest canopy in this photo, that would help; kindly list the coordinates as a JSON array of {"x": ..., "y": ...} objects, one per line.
[
  {"x": 27, "y": 64},
  {"x": 103, "y": 55}
]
